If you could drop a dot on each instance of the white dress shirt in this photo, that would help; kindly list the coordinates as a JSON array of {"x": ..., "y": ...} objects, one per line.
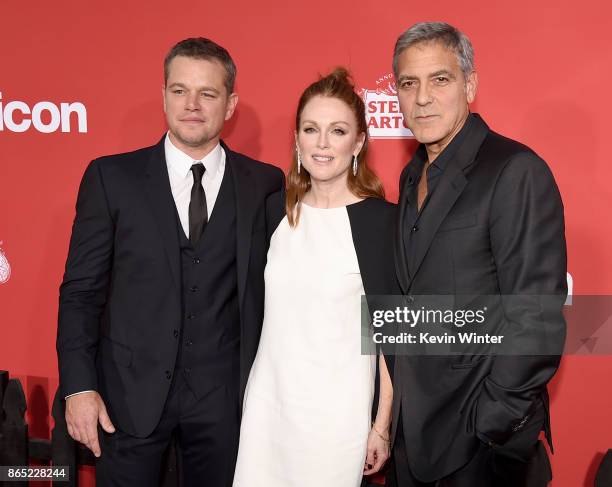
[
  {"x": 181, "y": 181},
  {"x": 181, "y": 178}
]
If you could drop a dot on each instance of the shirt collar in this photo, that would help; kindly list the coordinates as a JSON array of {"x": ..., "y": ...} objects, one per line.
[{"x": 181, "y": 163}]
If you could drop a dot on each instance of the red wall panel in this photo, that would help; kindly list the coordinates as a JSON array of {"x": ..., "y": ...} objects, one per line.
[{"x": 543, "y": 70}]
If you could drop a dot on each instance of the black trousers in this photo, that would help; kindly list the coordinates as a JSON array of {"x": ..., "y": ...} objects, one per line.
[
  {"x": 207, "y": 431},
  {"x": 497, "y": 466}
]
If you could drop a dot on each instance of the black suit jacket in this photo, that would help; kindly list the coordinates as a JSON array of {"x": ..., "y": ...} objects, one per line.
[
  {"x": 120, "y": 300},
  {"x": 493, "y": 226}
]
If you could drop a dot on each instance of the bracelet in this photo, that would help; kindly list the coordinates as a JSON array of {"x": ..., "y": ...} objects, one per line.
[{"x": 388, "y": 440}]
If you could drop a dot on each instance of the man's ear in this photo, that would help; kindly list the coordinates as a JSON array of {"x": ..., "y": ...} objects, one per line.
[
  {"x": 232, "y": 101},
  {"x": 471, "y": 85}
]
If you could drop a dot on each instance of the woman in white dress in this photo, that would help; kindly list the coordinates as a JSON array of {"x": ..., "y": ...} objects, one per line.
[{"x": 308, "y": 403}]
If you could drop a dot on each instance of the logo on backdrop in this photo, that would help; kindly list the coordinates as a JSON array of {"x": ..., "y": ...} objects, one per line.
[
  {"x": 5, "y": 267},
  {"x": 385, "y": 120},
  {"x": 44, "y": 116}
]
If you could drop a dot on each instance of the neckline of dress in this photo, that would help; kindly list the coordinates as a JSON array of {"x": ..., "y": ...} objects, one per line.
[{"x": 333, "y": 208}]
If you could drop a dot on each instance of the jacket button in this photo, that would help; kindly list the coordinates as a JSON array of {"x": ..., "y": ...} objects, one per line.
[
  {"x": 415, "y": 229},
  {"x": 189, "y": 343},
  {"x": 196, "y": 260},
  {"x": 168, "y": 375},
  {"x": 410, "y": 299},
  {"x": 194, "y": 289},
  {"x": 191, "y": 316},
  {"x": 175, "y": 333}
]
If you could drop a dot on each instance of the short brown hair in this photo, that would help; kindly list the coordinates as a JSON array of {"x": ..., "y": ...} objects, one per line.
[
  {"x": 202, "y": 48},
  {"x": 365, "y": 184}
]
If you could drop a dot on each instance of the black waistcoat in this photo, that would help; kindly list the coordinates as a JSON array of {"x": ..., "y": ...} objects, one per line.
[{"x": 209, "y": 354}]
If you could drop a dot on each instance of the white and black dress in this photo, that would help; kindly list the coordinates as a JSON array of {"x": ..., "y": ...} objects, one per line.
[{"x": 308, "y": 402}]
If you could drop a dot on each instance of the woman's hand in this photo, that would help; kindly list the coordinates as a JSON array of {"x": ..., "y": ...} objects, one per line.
[{"x": 378, "y": 451}]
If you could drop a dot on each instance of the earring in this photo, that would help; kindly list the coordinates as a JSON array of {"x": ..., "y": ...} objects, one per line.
[
  {"x": 299, "y": 158},
  {"x": 354, "y": 165}
]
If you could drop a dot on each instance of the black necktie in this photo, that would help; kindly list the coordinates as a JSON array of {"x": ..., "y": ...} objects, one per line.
[{"x": 198, "y": 212}]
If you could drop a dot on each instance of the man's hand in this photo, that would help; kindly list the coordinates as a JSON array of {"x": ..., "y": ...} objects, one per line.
[
  {"x": 83, "y": 411},
  {"x": 377, "y": 453}
]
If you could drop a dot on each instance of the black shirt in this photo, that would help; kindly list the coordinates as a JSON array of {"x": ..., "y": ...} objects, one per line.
[{"x": 434, "y": 173}]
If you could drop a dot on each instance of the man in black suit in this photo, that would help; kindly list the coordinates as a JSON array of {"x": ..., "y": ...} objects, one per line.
[
  {"x": 480, "y": 215},
  {"x": 162, "y": 299}
]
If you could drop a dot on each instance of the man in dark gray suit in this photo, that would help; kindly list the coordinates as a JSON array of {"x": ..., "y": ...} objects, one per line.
[{"x": 480, "y": 215}]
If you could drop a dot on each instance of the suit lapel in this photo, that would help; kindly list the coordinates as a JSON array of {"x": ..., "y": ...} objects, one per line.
[
  {"x": 161, "y": 202},
  {"x": 449, "y": 188},
  {"x": 245, "y": 196},
  {"x": 451, "y": 185}
]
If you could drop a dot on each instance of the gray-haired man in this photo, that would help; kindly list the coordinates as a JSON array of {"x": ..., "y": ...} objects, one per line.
[{"x": 480, "y": 214}]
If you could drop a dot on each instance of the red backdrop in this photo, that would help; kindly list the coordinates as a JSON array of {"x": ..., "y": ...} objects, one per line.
[{"x": 543, "y": 70}]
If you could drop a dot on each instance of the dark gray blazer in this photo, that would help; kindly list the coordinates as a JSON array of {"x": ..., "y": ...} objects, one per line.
[{"x": 493, "y": 226}]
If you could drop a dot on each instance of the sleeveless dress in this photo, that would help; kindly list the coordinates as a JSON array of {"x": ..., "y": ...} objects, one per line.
[{"x": 308, "y": 401}]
